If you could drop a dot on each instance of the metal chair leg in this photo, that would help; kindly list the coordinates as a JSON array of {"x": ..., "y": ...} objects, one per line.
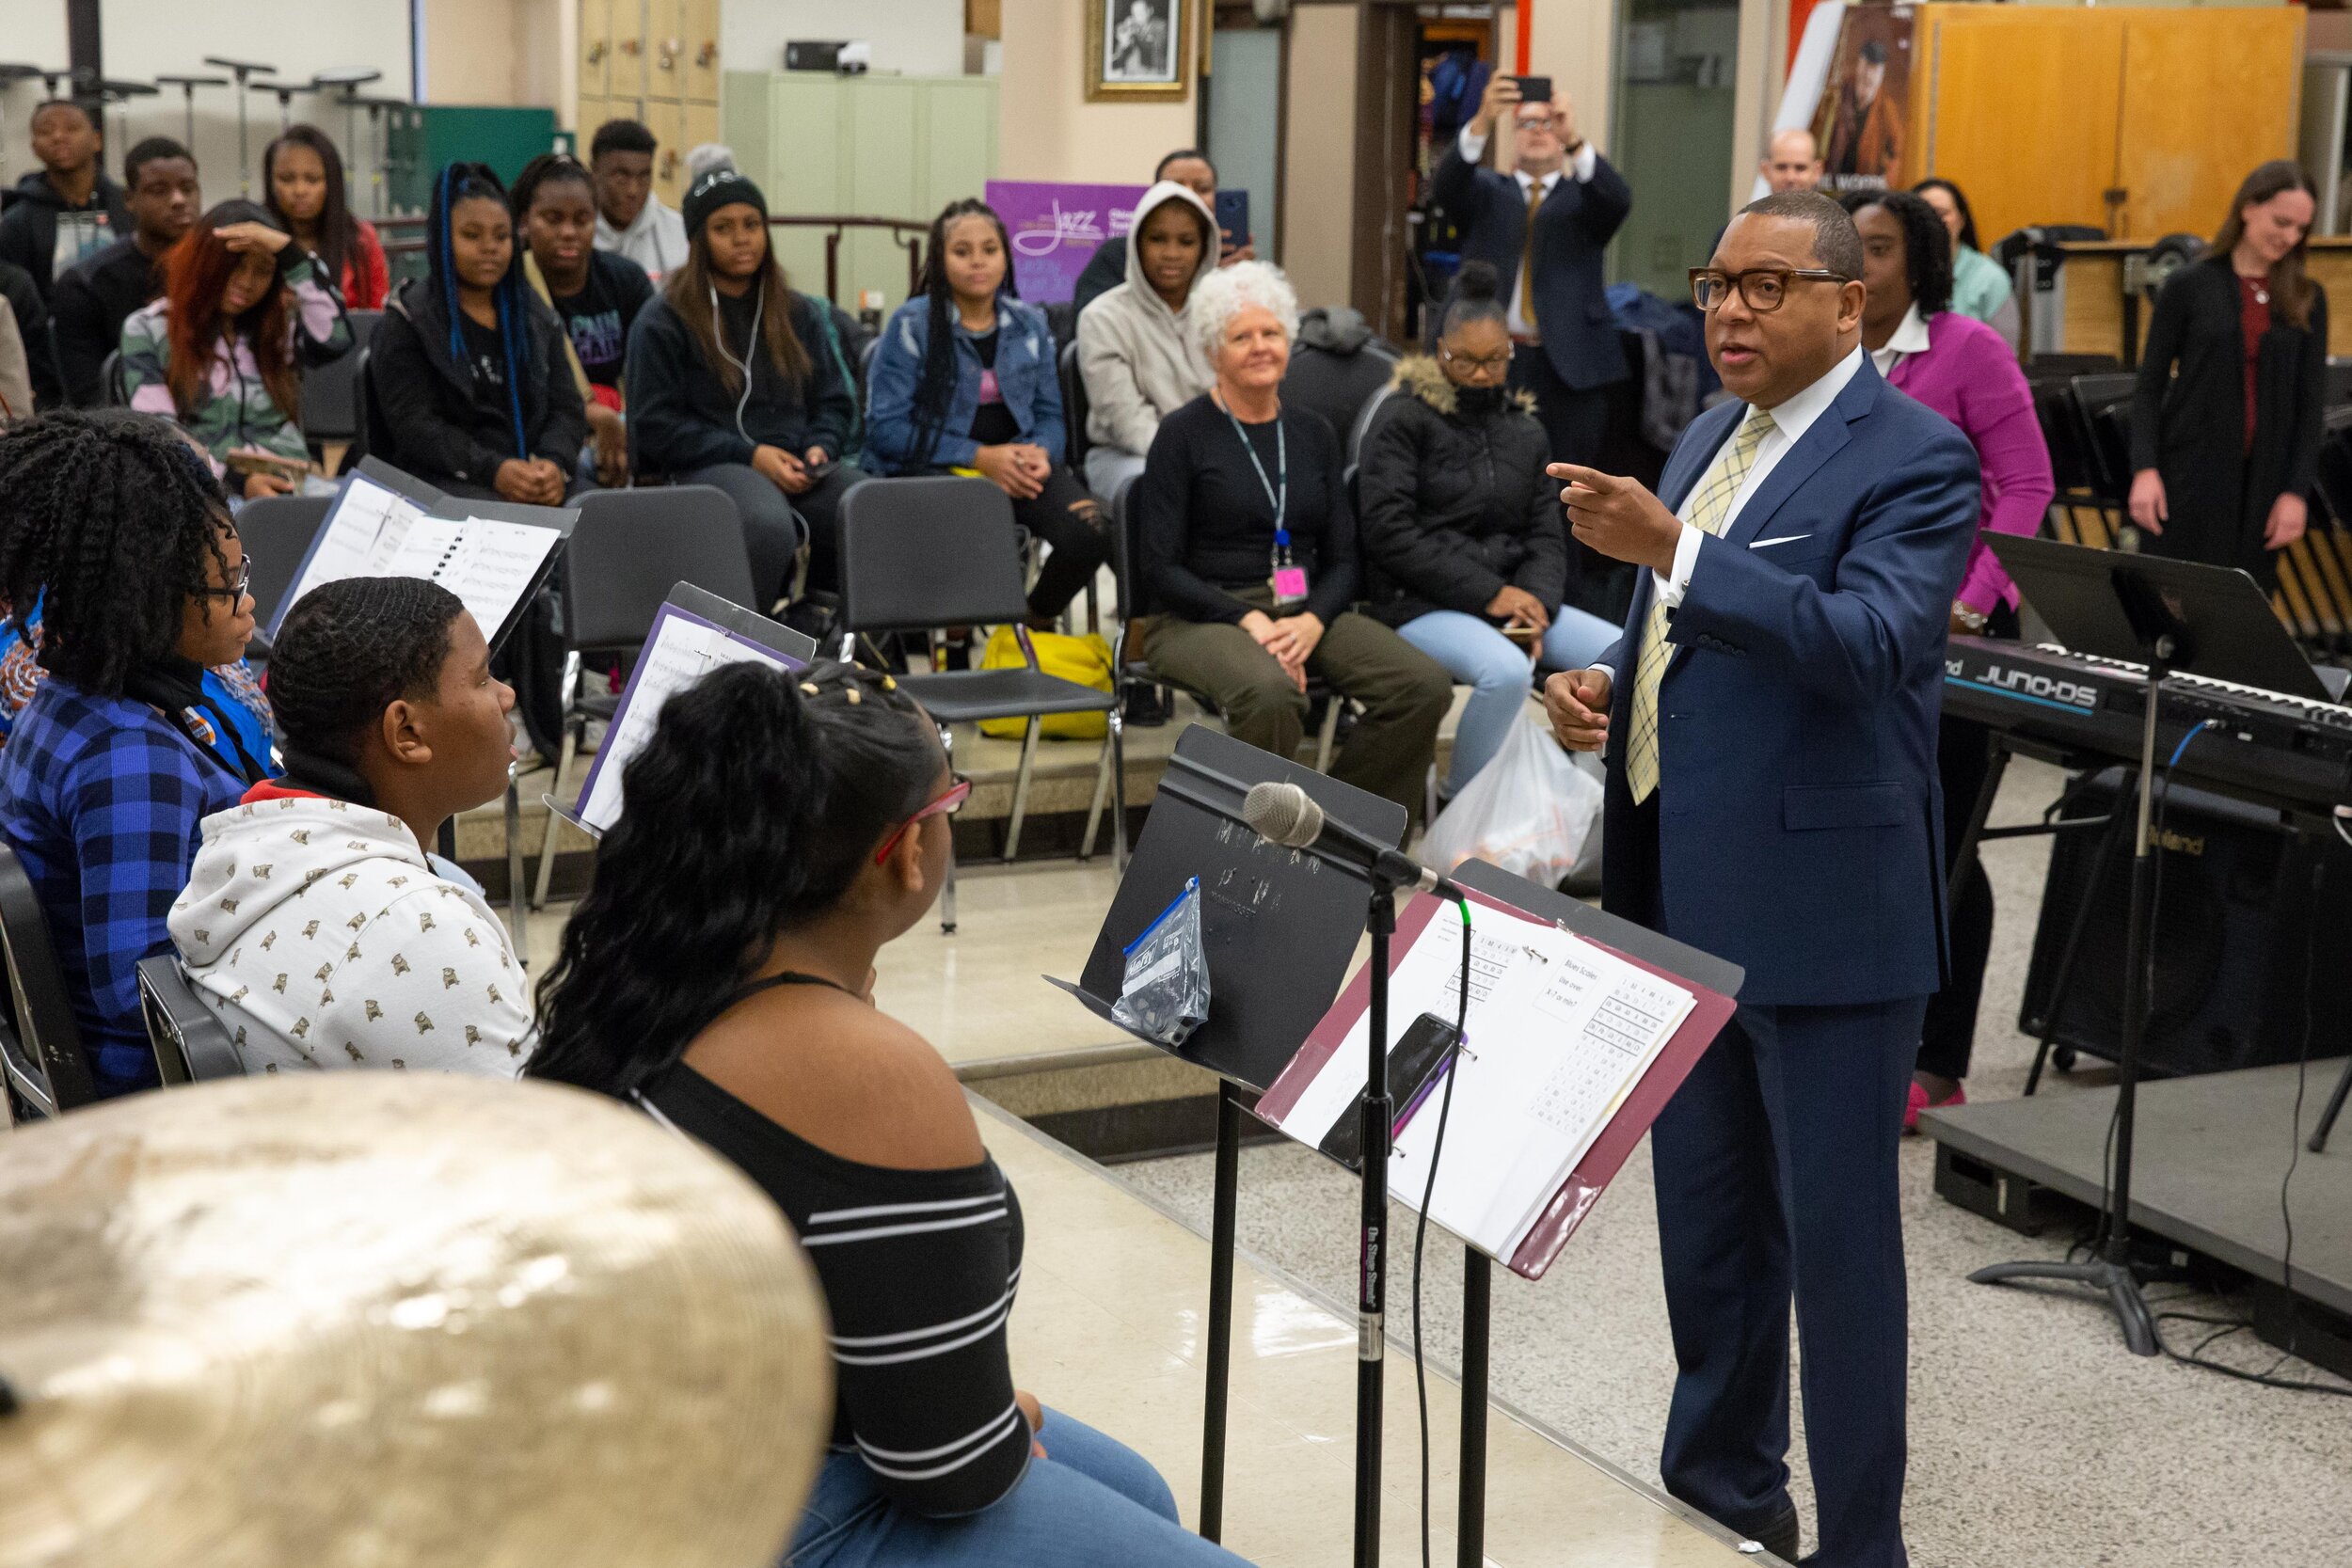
[
  {"x": 1021, "y": 786},
  {"x": 947, "y": 893},
  {"x": 1328, "y": 736},
  {"x": 1101, "y": 788},
  {"x": 519, "y": 905},
  {"x": 547, "y": 844},
  {"x": 1118, "y": 793}
]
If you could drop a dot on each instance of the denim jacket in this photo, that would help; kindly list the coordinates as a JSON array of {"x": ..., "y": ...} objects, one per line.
[{"x": 1026, "y": 377}]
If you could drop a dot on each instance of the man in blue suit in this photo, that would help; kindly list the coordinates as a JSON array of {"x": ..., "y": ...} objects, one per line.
[
  {"x": 1543, "y": 227},
  {"x": 1770, "y": 717}
]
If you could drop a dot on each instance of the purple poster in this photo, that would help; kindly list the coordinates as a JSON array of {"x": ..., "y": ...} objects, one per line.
[{"x": 1056, "y": 228}]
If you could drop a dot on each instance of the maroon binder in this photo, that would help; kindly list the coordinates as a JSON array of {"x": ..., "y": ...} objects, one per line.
[{"x": 1583, "y": 1186}]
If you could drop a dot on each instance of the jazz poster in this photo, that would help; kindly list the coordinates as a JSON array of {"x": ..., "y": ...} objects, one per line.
[
  {"x": 1861, "y": 120},
  {"x": 1056, "y": 230}
]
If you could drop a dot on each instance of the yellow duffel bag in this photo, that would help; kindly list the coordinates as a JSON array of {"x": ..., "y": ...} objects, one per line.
[{"x": 1085, "y": 660}]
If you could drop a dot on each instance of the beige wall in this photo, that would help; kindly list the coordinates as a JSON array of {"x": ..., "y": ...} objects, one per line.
[
  {"x": 1319, "y": 152},
  {"x": 1047, "y": 129},
  {"x": 1572, "y": 42},
  {"x": 501, "y": 51}
]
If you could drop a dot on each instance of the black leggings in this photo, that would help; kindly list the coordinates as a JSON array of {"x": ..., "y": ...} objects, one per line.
[{"x": 1963, "y": 757}]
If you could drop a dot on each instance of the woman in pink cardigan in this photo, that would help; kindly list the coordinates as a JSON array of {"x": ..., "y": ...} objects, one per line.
[{"x": 1963, "y": 370}]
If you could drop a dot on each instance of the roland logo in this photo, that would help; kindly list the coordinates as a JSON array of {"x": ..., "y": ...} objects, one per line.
[
  {"x": 2029, "y": 682},
  {"x": 2180, "y": 844}
]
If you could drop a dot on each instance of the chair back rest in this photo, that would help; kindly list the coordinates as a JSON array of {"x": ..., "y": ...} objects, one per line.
[
  {"x": 110, "y": 375},
  {"x": 1362, "y": 427},
  {"x": 191, "y": 1043},
  {"x": 2105, "y": 440},
  {"x": 276, "y": 532},
  {"x": 41, "y": 1054},
  {"x": 330, "y": 392},
  {"x": 919, "y": 553},
  {"x": 375, "y": 437},
  {"x": 632, "y": 547},
  {"x": 1073, "y": 408}
]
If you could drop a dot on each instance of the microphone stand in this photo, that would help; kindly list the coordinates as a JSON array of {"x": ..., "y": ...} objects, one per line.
[{"x": 1375, "y": 1112}]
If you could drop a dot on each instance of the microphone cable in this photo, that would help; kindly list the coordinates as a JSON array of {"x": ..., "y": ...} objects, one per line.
[{"x": 1420, "y": 1223}]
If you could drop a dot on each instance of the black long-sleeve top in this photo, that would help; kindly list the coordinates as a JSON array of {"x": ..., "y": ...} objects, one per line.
[
  {"x": 681, "y": 417},
  {"x": 1205, "y": 525},
  {"x": 918, "y": 1268}
]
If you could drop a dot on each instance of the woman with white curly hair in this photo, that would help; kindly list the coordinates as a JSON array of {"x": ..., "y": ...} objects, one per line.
[{"x": 1249, "y": 558}]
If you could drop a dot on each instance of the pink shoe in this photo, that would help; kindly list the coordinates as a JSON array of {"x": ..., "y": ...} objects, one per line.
[{"x": 1919, "y": 1102}]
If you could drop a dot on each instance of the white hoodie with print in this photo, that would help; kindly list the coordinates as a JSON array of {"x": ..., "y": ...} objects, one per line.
[{"x": 322, "y": 937}]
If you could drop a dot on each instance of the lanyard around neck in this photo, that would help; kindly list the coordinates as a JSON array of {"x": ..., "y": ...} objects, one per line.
[{"x": 1279, "y": 497}]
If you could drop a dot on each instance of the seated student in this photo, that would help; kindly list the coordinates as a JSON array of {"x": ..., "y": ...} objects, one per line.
[
  {"x": 218, "y": 351},
  {"x": 749, "y": 1023},
  {"x": 1249, "y": 556},
  {"x": 67, "y": 209},
  {"x": 121, "y": 535},
  {"x": 595, "y": 293},
  {"x": 29, "y": 316},
  {"x": 315, "y": 922},
  {"x": 89, "y": 304},
  {"x": 1136, "y": 348},
  {"x": 965, "y": 378},
  {"x": 631, "y": 219},
  {"x": 1107, "y": 269},
  {"x": 728, "y": 385},
  {"x": 1464, "y": 537},
  {"x": 16, "y": 371},
  {"x": 467, "y": 367},
  {"x": 302, "y": 181}
]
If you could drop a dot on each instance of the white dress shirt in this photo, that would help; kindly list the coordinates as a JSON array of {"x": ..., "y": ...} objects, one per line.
[
  {"x": 1910, "y": 338},
  {"x": 1473, "y": 147},
  {"x": 1791, "y": 420}
]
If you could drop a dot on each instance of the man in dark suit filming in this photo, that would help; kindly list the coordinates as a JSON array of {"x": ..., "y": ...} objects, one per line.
[
  {"x": 1543, "y": 227},
  {"x": 1769, "y": 719}
]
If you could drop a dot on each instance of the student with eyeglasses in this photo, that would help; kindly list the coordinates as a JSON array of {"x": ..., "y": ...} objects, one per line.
[
  {"x": 120, "y": 538},
  {"x": 719, "y": 977},
  {"x": 1466, "y": 548}
]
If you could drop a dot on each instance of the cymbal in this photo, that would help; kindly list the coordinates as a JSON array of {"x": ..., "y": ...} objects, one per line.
[{"x": 385, "y": 1319}]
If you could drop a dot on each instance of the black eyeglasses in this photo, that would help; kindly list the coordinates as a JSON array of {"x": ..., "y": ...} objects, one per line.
[
  {"x": 1487, "y": 364},
  {"x": 1764, "y": 289},
  {"x": 235, "y": 591}
]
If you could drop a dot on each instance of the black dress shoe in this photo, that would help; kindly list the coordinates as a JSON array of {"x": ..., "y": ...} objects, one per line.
[{"x": 1778, "y": 1534}]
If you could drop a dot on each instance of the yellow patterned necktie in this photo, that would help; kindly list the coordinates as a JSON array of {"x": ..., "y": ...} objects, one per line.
[{"x": 1716, "y": 490}]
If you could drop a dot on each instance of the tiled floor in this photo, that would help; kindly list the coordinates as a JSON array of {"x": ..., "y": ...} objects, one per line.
[{"x": 1110, "y": 1328}]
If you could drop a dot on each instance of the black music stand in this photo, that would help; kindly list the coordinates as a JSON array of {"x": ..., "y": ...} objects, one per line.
[
  {"x": 1280, "y": 927},
  {"x": 2174, "y": 617}
]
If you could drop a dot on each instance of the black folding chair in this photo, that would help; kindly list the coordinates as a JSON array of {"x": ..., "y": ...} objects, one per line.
[
  {"x": 2103, "y": 404},
  {"x": 630, "y": 548},
  {"x": 40, "y": 1045},
  {"x": 927, "y": 554},
  {"x": 331, "y": 391},
  {"x": 276, "y": 532},
  {"x": 191, "y": 1044}
]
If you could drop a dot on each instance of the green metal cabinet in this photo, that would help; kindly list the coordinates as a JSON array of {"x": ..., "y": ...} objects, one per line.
[
  {"x": 421, "y": 138},
  {"x": 893, "y": 146}
]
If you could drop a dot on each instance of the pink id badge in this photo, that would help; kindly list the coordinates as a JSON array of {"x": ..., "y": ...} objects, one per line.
[{"x": 1290, "y": 584}]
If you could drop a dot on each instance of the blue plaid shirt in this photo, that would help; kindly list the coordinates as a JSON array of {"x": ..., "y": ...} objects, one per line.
[{"x": 102, "y": 799}]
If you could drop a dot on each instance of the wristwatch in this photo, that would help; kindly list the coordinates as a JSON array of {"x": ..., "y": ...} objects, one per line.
[{"x": 1975, "y": 620}]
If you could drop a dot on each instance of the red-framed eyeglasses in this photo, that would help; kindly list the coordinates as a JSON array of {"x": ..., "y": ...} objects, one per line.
[{"x": 947, "y": 803}]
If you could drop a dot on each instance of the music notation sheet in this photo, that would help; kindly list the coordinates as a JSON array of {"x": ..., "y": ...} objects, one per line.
[
  {"x": 489, "y": 565},
  {"x": 362, "y": 532},
  {"x": 1559, "y": 1034}
]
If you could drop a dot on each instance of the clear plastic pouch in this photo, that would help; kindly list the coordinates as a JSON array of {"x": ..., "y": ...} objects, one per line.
[{"x": 1164, "y": 996}]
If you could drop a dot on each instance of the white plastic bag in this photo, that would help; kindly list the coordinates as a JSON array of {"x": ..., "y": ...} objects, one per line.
[{"x": 1529, "y": 811}]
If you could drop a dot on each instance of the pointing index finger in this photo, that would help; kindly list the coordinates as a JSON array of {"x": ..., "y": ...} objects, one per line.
[{"x": 1592, "y": 478}]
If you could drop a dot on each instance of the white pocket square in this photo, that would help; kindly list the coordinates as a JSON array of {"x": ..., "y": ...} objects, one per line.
[{"x": 1784, "y": 539}]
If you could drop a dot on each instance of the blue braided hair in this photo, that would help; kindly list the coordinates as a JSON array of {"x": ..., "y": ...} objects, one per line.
[{"x": 509, "y": 298}]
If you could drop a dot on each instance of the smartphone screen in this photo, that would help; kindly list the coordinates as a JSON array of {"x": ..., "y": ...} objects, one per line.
[
  {"x": 1534, "y": 90},
  {"x": 1413, "y": 1061}
]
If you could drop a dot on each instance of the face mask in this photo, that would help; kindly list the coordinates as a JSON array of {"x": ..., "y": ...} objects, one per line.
[{"x": 1478, "y": 402}]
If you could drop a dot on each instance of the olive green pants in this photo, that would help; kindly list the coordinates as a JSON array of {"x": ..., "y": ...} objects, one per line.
[{"x": 1403, "y": 691}]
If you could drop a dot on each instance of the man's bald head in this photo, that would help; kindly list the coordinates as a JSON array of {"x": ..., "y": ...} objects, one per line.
[{"x": 1792, "y": 161}]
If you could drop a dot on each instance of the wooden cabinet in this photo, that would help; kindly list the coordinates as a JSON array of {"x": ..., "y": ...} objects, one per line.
[
  {"x": 655, "y": 61},
  {"x": 666, "y": 118},
  {"x": 595, "y": 52},
  {"x": 702, "y": 52},
  {"x": 2136, "y": 120}
]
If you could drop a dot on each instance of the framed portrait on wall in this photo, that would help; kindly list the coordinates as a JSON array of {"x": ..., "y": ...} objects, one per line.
[{"x": 1136, "y": 49}]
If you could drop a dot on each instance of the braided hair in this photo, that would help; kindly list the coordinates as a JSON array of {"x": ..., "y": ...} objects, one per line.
[
  {"x": 547, "y": 168},
  {"x": 345, "y": 652},
  {"x": 109, "y": 522},
  {"x": 509, "y": 296},
  {"x": 1927, "y": 245},
  {"x": 769, "y": 793},
  {"x": 935, "y": 390}
]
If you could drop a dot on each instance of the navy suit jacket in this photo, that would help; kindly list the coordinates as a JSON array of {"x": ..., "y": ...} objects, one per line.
[
  {"x": 1800, "y": 820},
  {"x": 1573, "y": 227}
]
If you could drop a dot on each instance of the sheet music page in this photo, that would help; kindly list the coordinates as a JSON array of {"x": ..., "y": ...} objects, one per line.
[
  {"x": 487, "y": 564},
  {"x": 683, "y": 650},
  {"x": 364, "y": 533}
]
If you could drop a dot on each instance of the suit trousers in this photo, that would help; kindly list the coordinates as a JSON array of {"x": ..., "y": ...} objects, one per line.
[
  {"x": 1775, "y": 1167},
  {"x": 1575, "y": 422}
]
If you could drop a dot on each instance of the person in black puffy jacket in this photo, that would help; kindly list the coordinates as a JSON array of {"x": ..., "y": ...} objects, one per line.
[{"x": 1464, "y": 539}]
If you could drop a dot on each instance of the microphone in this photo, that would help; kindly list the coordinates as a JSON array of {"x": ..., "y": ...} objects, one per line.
[{"x": 1288, "y": 815}]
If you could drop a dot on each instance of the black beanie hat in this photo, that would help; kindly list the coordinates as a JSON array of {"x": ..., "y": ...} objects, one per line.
[{"x": 721, "y": 187}]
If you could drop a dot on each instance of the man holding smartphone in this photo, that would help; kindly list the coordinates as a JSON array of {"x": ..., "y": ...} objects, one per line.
[{"x": 1544, "y": 228}]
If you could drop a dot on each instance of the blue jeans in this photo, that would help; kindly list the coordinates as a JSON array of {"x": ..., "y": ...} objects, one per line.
[
  {"x": 1472, "y": 650},
  {"x": 1094, "y": 1500}
]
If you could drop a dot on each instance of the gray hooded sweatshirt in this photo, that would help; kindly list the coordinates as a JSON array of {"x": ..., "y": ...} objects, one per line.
[{"x": 1138, "y": 356}]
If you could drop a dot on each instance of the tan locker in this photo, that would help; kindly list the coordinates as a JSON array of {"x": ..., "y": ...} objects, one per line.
[
  {"x": 626, "y": 84},
  {"x": 702, "y": 51},
  {"x": 699, "y": 123},
  {"x": 664, "y": 119},
  {"x": 665, "y": 49},
  {"x": 595, "y": 48},
  {"x": 593, "y": 113}
]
